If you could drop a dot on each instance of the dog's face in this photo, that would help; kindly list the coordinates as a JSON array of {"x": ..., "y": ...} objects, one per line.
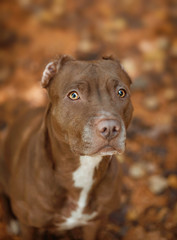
[{"x": 91, "y": 106}]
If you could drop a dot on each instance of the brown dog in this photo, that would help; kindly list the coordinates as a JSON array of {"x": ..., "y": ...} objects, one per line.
[{"x": 58, "y": 170}]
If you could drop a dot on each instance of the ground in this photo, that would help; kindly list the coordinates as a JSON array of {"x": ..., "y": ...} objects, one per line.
[{"x": 142, "y": 35}]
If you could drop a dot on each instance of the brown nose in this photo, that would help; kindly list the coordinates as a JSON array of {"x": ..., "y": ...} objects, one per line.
[{"x": 108, "y": 128}]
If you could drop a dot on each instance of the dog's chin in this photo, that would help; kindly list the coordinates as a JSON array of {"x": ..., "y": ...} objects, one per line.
[
  {"x": 105, "y": 151},
  {"x": 109, "y": 151},
  {"x": 99, "y": 149}
]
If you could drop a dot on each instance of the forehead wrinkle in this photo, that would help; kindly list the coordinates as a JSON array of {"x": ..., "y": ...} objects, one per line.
[
  {"x": 83, "y": 78},
  {"x": 80, "y": 85},
  {"x": 96, "y": 76},
  {"x": 85, "y": 68},
  {"x": 85, "y": 72}
]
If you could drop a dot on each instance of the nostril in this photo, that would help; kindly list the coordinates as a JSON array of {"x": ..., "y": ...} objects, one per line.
[
  {"x": 115, "y": 129},
  {"x": 104, "y": 130}
]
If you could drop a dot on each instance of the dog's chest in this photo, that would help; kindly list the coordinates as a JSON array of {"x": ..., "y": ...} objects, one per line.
[{"x": 83, "y": 179}]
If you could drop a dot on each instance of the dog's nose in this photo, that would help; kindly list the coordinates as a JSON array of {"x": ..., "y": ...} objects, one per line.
[{"x": 108, "y": 128}]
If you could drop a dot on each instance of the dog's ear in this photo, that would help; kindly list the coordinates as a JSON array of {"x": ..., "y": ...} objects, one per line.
[
  {"x": 110, "y": 57},
  {"x": 125, "y": 72},
  {"x": 52, "y": 69}
]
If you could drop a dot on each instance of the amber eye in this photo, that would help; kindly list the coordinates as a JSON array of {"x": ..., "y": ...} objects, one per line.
[
  {"x": 121, "y": 93},
  {"x": 73, "y": 95}
]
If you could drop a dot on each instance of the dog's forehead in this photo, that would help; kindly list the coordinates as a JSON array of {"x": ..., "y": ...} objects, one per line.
[{"x": 93, "y": 71}]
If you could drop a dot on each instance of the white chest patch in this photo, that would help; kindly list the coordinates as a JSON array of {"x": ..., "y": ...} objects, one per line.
[{"x": 83, "y": 178}]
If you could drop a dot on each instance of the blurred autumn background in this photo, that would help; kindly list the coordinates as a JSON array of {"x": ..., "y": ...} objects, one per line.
[{"x": 142, "y": 35}]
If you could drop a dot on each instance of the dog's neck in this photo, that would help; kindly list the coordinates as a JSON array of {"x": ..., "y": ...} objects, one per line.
[
  {"x": 64, "y": 162},
  {"x": 74, "y": 177},
  {"x": 59, "y": 151}
]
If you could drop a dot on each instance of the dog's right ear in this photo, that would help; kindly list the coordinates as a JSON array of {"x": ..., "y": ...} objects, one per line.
[{"x": 52, "y": 69}]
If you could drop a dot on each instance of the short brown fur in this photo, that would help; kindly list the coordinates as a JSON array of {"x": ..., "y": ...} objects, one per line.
[{"x": 43, "y": 148}]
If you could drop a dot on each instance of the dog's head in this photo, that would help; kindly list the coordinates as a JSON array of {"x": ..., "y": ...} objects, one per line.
[{"x": 90, "y": 104}]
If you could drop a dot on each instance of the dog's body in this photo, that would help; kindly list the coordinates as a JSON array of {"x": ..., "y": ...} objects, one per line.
[{"x": 58, "y": 168}]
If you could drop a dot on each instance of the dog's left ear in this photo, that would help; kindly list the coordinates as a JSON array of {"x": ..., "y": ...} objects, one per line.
[
  {"x": 52, "y": 69},
  {"x": 110, "y": 57},
  {"x": 126, "y": 74}
]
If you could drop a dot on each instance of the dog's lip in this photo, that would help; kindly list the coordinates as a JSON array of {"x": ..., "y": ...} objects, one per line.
[{"x": 106, "y": 149}]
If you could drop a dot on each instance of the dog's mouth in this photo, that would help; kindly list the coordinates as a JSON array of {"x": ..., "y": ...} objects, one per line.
[
  {"x": 103, "y": 150},
  {"x": 108, "y": 150}
]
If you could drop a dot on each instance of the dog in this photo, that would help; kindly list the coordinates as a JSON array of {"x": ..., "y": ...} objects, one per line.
[{"x": 58, "y": 170}]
